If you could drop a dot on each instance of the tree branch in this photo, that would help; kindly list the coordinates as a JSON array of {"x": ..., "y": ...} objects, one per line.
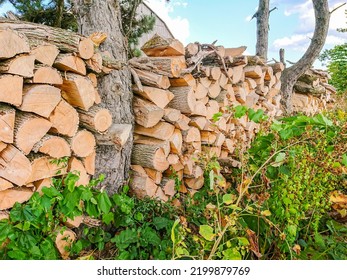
[{"x": 338, "y": 8}]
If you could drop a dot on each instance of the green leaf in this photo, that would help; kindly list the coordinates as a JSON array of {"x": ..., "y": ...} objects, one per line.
[
  {"x": 173, "y": 236},
  {"x": 217, "y": 116},
  {"x": 51, "y": 192},
  {"x": 104, "y": 202},
  {"x": 344, "y": 160},
  {"x": 125, "y": 202},
  {"x": 125, "y": 238},
  {"x": 255, "y": 116},
  {"x": 108, "y": 218},
  {"x": 240, "y": 111},
  {"x": 243, "y": 241},
  {"x": 229, "y": 198},
  {"x": 149, "y": 236},
  {"x": 231, "y": 254},
  {"x": 207, "y": 232},
  {"x": 161, "y": 222},
  {"x": 139, "y": 216}
]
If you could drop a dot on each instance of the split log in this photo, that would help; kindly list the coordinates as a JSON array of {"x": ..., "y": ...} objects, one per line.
[
  {"x": 9, "y": 197},
  {"x": 162, "y": 130},
  {"x": 54, "y": 146},
  {"x": 149, "y": 156},
  {"x": 199, "y": 122},
  {"x": 200, "y": 108},
  {"x": 201, "y": 91},
  {"x": 47, "y": 75},
  {"x": 63, "y": 242},
  {"x": 29, "y": 129},
  {"x": 169, "y": 186},
  {"x": 164, "y": 144},
  {"x": 158, "y": 96},
  {"x": 78, "y": 91},
  {"x": 183, "y": 100},
  {"x": 152, "y": 79},
  {"x": 4, "y": 184},
  {"x": 15, "y": 167},
  {"x": 254, "y": 72},
  {"x": 86, "y": 48},
  {"x": 159, "y": 46},
  {"x": 182, "y": 123},
  {"x": 89, "y": 163},
  {"x": 117, "y": 135},
  {"x": 215, "y": 73},
  {"x": 191, "y": 49},
  {"x": 185, "y": 80},
  {"x": 11, "y": 89},
  {"x": 176, "y": 141},
  {"x": 82, "y": 143},
  {"x": 214, "y": 90},
  {"x": 44, "y": 167},
  {"x": 143, "y": 186},
  {"x": 96, "y": 119},
  {"x": 22, "y": 65},
  {"x": 40, "y": 184},
  {"x": 40, "y": 99},
  {"x": 7, "y": 120},
  {"x": 207, "y": 137},
  {"x": 171, "y": 115},
  {"x": 64, "y": 119},
  {"x": 238, "y": 74},
  {"x": 71, "y": 63},
  {"x": 45, "y": 54},
  {"x": 155, "y": 175},
  {"x": 235, "y": 51},
  {"x": 94, "y": 64},
  {"x": 77, "y": 167},
  {"x": 191, "y": 135},
  {"x": 195, "y": 183},
  {"x": 12, "y": 43},
  {"x": 146, "y": 113}
]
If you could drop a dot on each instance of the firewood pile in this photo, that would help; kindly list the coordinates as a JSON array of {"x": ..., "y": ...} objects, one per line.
[
  {"x": 312, "y": 93},
  {"x": 50, "y": 107},
  {"x": 183, "y": 106}
]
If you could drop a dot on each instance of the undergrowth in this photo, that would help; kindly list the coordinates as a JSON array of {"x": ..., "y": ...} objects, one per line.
[{"x": 279, "y": 205}]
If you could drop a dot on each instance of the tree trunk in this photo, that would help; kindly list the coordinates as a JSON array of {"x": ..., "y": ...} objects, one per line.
[
  {"x": 104, "y": 15},
  {"x": 290, "y": 75},
  {"x": 262, "y": 16}
]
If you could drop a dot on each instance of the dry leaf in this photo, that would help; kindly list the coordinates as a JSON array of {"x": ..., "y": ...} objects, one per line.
[{"x": 253, "y": 240}]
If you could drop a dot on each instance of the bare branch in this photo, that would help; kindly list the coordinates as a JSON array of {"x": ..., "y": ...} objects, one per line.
[{"x": 338, "y": 8}]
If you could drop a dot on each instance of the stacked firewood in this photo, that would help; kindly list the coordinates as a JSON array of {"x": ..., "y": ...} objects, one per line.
[
  {"x": 49, "y": 106},
  {"x": 184, "y": 101},
  {"x": 312, "y": 93}
]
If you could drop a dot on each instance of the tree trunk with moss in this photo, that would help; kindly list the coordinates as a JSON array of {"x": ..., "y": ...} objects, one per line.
[{"x": 104, "y": 16}]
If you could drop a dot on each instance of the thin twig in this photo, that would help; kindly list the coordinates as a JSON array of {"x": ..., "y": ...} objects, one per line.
[{"x": 338, "y": 8}]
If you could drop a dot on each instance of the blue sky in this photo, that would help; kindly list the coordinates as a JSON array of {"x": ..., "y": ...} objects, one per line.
[{"x": 228, "y": 21}]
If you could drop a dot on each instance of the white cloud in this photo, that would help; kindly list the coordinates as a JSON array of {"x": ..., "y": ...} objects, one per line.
[{"x": 178, "y": 26}]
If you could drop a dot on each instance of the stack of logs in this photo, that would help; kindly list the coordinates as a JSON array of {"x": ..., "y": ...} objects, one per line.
[
  {"x": 183, "y": 106},
  {"x": 49, "y": 107},
  {"x": 312, "y": 93}
]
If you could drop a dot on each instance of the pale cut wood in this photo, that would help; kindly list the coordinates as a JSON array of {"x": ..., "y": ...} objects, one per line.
[
  {"x": 176, "y": 141},
  {"x": 97, "y": 97},
  {"x": 96, "y": 119},
  {"x": 164, "y": 144},
  {"x": 146, "y": 113},
  {"x": 152, "y": 79},
  {"x": 215, "y": 73},
  {"x": 117, "y": 135},
  {"x": 195, "y": 183},
  {"x": 82, "y": 143},
  {"x": 277, "y": 67},
  {"x": 240, "y": 94},
  {"x": 75, "y": 222},
  {"x": 86, "y": 48},
  {"x": 238, "y": 74},
  {"x": 89, "y": 163},
  {"x": 212, "y": 108},
  {"x": 45, "y": 53},
  {"x": 191, "y": 49},
  {"x": 223, "y": 80},
  {"x": 77, "y": 167},
  {"x": 155, "y": 175},
  {"x": 78, "y": 91},
  {"x": 12, "y": 43},
  {"x": 47, "y": 75},
  {"x": 214, "y": 90},
  {"x": 40, "y": 99},
  {"x": 207, "y": 137},
  {"x": 184, "y": 99},
  {"x": 29, "y": 129},
  {"x": 158, "y": 96},
  {"x": 4, "y": 215},
  {"x": 219, "y": 140},
  {"x": 149, "y": 156},
  {"x": 182, "y": 123},
  {"x": 138, "y": 169},
  {"x": 235, "y": 51},
  {"x": 5, "y": 184},
  {"x": 7, "y": 120},
  {"x": 54, "y": 146},
  {"x": 93, "y": 78},
  {"x": 95, "y": 63},
  {"x": 201, "y": 91},
  {"x": 64, "y": 119},
  {"x": 168, "y": 185},
  {"x": 199, "y": 109},
  {"x": 11, "y": 89},
  {"x": 171, "y": 115},
  {"x": 15, "y": 167},
  {"x": 199, "y": 122},
  {"x": 185, "y": 80},
  {"x": 40, "y": 184},
  {"x": 64, "y": 241},
  {"x": 44, "y": 167},
  {"x": 191, "y": 135},
  {"x": 9, "y": 197},
  {"x": 205, "y": 81},
  {"x": 254, "y": 72},
  {"x": 143, "y": 186},
  {"x": 162, "y": 130},
  {"x": 71, "y": 63},
  {"x": 159, "y": 46},
  {"x": 22, "y": 65}
]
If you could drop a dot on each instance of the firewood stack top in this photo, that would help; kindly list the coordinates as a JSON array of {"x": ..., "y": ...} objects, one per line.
[
  {"x": 312, "y": 93},
  {"x": 183, "y": 104},
  {"x": 50, "y": 107}
]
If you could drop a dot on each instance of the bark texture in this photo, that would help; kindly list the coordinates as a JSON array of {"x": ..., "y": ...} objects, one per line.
[
  {"x": 114, "y": 89},
  {"x": 290, "y": 75},
  {"x": 262, "y": 16}
]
